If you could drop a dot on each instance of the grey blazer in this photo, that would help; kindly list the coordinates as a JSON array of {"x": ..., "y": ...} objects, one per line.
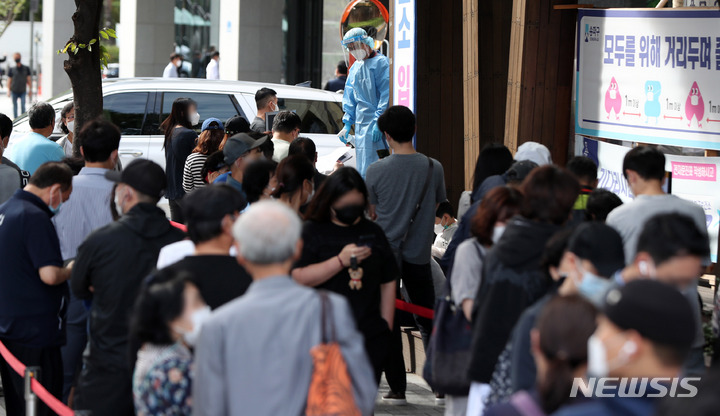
[{"x": 253, "y": 356}]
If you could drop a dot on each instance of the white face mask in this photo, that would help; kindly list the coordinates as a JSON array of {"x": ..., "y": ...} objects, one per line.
[
  {"x": 598, "y": 364},
  {"x": 195, "y": 119},
  {"x": 310, "y": 196},
  {"x": 498, "y": 231},
  {"x": 439, "y": 229},
  {"x": 275, "y": 107},
  {"x": 118, "y": 206},
  {"x": 359, "y": 54},
  {"x": 199, "y": 317},
  {"x": 70, "y": 126}
]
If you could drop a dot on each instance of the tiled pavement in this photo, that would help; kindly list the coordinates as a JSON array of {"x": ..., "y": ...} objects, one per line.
[{"x": 421, "y": 400}]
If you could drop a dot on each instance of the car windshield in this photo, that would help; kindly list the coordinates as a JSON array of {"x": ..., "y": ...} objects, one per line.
[{"x": 318, "y": 117}]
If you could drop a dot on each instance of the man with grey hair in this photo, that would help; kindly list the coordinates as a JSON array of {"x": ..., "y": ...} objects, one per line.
[{"x": 253, "y": 356}]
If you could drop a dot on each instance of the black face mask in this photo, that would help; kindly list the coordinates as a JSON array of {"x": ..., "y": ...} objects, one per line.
[
  {"x": 17, "y": 61},
  {"x": 349, "y": 214}
]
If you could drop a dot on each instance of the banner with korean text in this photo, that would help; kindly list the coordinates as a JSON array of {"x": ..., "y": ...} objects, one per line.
[
  {"x": 404, "y": 49},
  {"x": 649, "y": 76}
]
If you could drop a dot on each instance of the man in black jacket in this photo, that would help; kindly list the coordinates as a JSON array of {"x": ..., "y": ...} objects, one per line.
[{"x": 109, "y": 269}]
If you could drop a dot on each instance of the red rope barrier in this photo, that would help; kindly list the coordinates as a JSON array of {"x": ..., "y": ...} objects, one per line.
[
  {"x": 51, "y": 401},
  {"x": 414, "y": 309}
]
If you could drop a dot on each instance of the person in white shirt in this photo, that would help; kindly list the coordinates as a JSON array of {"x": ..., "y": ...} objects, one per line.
[
  {"x": 644, "y": 169},
  {"x": 213, "y": 68},
  {"x": 445, "y": 227},
  {"x": 286, "y": 128},
  {"x": 171, "y": 70}
]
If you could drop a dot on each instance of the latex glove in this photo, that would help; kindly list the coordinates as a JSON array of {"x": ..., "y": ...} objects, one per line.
[
  {"x": 343, "y": 135},
  {"x": 376, "y": 134}
]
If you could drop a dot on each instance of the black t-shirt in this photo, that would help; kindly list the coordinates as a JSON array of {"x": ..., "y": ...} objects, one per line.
[
  {"x": 19, "y": 78},
  {"x": 322, "y": 241},
  {"x": 220, "y": 279},
  {"x": 182, "y": 143}
]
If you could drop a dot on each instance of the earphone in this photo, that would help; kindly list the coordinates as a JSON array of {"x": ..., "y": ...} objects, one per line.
[
  {"x": 643, "y": 266},
  {"x": 629, "y": 347}
]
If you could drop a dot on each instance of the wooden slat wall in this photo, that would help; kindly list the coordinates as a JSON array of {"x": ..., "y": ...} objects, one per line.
[
  {"x": 540, "y": 76},
  {"x": 439, "y": 99},
  {"x": 486, "y": 40},
  {"x": 471, "y": 89}
]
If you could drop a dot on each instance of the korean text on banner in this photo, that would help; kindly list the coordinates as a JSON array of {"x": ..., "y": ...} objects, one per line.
[
  {"x": 649, "y": 76},
  {"x": 404, "y": 48}
]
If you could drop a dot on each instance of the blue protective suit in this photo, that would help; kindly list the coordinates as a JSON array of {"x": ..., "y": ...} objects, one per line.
[{"x": 367, "y": 92}]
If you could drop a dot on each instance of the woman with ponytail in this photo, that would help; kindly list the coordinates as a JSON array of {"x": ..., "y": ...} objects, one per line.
[{"x": 295, "y": 182}]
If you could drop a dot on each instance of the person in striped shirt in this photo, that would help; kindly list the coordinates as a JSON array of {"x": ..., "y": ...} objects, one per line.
[{"x": 208, "y": 143}]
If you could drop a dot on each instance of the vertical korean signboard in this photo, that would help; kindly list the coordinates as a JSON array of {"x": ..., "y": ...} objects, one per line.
[
  {"x": 404, "y": 49},
  {"x": 649, "y": 76}
]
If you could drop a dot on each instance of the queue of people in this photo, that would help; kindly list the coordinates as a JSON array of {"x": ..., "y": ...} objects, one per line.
[{"x": 269, "y": 266}]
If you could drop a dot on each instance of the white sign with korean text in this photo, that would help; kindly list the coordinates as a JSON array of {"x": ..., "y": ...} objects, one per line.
[
  {"x": 649, "y": 76},
  {"x": 404, "y": 48}
]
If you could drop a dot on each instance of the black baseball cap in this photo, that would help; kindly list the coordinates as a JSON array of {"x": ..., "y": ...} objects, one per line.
[
  {"x": 520, "y": 170},
  {"x": 601, "y": 245},
  {"x": 236, "y": 124},
  {"x": 655, "y": 310},
  {"x": 240, "y": 144},
  {"x": 143, "y": 175}
]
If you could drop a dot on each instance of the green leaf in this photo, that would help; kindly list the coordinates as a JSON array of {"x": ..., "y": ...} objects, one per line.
[
  {"x": 82, "y": 45},
  {"x": 76, "y": 51},
  {"x": 65, "y": 48},
  {"x": 104, "y": 35},
  {"x": 92, "y": 42},
  {"x": 89, "y": 48},
  {"x": 112, "y": 33},
  {"x": 73, "y": 47}
]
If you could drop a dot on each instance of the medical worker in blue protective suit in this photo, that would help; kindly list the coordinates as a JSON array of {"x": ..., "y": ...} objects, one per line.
[{"x": 367, "y": 92}]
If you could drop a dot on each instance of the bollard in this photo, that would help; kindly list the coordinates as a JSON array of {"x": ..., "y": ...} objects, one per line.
[{"x": 30, "y": 397}]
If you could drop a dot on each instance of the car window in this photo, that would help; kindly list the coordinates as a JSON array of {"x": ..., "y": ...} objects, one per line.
[
  {"x": 209, "y": 105},
  {"x": 318, "y": 117},
  {"x": 126, "y": 110}
]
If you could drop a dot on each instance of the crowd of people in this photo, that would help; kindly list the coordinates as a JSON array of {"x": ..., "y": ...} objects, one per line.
[{"x": 220, "y": 310}]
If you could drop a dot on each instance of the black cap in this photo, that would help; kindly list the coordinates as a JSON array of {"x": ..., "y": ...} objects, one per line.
[
  {"x": 238, "y": 145},
  {"x": 143, "y": 175},
  {"x": 236, "y": 124},
  {"x": 210, "y": 204},
  {"x": 601, "y": 245},
  {"x": 657, "y": 311},
  {"x": 520, "y": 170}
]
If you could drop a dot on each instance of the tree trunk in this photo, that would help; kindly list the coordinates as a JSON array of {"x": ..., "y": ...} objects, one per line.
[{"x": 83, "y": 67}]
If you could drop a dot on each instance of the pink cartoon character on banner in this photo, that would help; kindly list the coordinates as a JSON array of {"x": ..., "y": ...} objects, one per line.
[
  {"x": 613, "y": 101},
  {"x": 694, "y": 105}
]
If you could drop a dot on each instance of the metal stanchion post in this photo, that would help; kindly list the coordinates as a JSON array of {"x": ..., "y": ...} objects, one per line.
[{"x": 30, "y": 397}]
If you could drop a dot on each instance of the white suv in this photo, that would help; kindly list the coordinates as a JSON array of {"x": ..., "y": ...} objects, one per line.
[{"x": 138, "y": 106}]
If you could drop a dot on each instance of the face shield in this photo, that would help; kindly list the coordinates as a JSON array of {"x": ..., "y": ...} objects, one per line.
[{"x": 355, "y": 46}]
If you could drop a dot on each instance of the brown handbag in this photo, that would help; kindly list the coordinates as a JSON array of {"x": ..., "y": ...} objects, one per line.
[{"x": 331, "y": 392}]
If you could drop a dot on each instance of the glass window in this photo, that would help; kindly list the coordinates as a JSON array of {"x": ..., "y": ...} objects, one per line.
[
  {"x": 318, "y": 117},
  {"x": 126, "y": 110},
  {"x": 209, "y": 105}
]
